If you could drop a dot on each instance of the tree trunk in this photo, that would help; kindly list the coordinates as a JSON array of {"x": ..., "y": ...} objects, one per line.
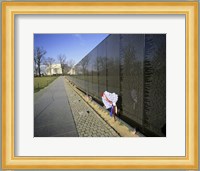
[
  {"x": 62, "y": 70},
  {"x": 39, "y": 70},
  {"x": 35, "y": 70}
]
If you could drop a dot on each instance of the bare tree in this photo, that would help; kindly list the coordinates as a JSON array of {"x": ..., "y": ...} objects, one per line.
[
  {"x": 84, "y": 63},
  {"x": 35, "y": 64},
  {"x": 62, "y": 60},
  {"x": 49, "y": 61},
  {"x": 70, "y": 63},
  {"x": 39, "y": 53}
]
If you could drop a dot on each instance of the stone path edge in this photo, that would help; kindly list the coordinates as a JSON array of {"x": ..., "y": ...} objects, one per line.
[
  {"x": 90, "y": 133},
  {"x": 119, "y": 126}
]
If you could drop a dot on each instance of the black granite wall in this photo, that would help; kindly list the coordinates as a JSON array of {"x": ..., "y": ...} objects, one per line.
[{"x": 134, "y": 67}]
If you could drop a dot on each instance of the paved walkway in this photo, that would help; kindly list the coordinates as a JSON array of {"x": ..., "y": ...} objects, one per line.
[
  {"x": 52, "y": 112},
  {"x": 60, "y": 112},
  {"x": 88, "y": 122}
]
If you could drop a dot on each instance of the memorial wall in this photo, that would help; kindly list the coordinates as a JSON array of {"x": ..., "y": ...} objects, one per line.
[{"x": 134, "y": 67}]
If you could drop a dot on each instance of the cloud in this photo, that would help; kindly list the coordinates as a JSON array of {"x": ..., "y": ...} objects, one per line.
[{"x": 80, "y": 38}]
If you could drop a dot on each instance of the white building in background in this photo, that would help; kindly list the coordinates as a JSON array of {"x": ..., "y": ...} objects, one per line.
[
  {"x": 72, "y": 71},
  {"x": 54, "y": 69}
]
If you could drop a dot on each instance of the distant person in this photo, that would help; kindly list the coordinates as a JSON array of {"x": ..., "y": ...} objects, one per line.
[{"x": 109, "y": 100}]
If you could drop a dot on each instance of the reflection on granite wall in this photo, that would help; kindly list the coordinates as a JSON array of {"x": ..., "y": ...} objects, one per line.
[
  {"x": 132, "y": 58},
  {"x": 102, "y": 66},
  {"x": 155, "y": 83},
  {"x": 134, "y": 67},
  {"x": 113, "y": 56}
]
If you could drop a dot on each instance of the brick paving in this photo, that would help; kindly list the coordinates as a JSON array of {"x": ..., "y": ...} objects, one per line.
[{"x": 88, "y": 122}]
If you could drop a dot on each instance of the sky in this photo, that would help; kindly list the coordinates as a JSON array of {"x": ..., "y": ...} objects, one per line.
[{"x": 74, "y": 46}]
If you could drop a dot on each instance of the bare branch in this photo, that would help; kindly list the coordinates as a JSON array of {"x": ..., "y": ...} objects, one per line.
[
  {"x": 62, "y": 60},
  {"x": 49, "y": 61},
  {"x": 39, "y": 53}
]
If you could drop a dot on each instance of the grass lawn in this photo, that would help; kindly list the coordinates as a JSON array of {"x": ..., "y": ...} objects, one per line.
[{"x": 41, "y": 82}]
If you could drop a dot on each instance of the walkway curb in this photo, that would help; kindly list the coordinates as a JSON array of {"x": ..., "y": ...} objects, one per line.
[{"x": 119, "y": 126}]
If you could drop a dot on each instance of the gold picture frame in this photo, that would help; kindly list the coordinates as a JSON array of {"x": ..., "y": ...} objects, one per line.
[{"x": 189, "y": 9}]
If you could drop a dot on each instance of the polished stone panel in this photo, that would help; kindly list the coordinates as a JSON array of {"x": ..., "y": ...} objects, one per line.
[
  {"x": 102, "y": 66},
  {"x": 155, "y": 83},
  {"x": 134, "y": 67},
  {"x": 95, "y": 79},
  {"x": 113, "y": 56},
  {"x": 132, "y": 58}
]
